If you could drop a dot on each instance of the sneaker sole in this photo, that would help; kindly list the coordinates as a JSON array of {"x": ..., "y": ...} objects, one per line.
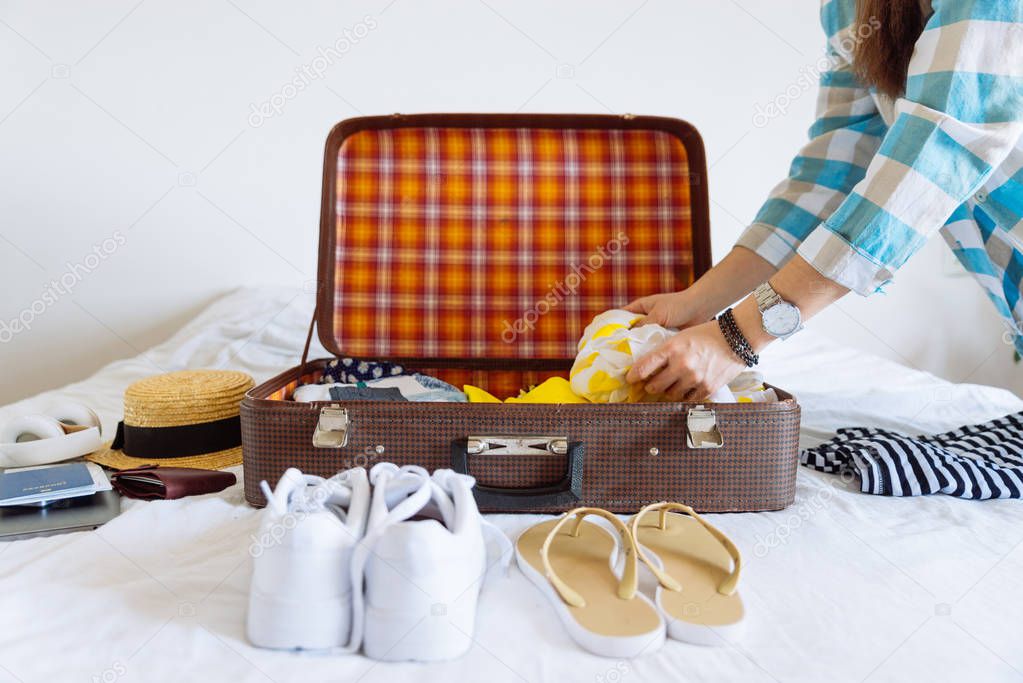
[
  {"x": 428, "y": 634},
  {"x": 288, "y": 625}
]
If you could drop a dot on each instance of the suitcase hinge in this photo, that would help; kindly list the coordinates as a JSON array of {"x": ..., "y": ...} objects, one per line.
[
  {"x": 702, "y": 428},
  {"x": 517, "y": 445},
  {"x": 332, "y": 428}
]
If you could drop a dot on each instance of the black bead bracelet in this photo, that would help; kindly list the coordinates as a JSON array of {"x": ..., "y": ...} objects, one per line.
[{"x": 736, "y": 339}]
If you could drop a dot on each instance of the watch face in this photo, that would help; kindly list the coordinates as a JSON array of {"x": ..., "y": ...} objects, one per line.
[{"x": 781, "y": 319}]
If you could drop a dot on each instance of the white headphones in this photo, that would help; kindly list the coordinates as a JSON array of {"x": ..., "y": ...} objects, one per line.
[{"x": 66, "y": 431}]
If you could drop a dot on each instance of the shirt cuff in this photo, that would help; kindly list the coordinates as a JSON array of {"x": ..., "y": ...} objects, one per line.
[
  {"x": 842, "y": 263},
  {"x": 768, "y": 242}
]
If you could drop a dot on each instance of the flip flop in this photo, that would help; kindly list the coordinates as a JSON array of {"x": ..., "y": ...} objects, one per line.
[
  {"x": 574, "y": 568},
  {"x": 697, "y": 567}
]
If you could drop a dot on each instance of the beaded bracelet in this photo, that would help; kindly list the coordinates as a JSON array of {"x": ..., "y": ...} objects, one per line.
[{"x": 736, "y": 339}]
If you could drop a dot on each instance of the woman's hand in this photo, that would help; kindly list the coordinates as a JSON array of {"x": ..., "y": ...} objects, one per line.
[
  {"x": 677, "y": 310},
  {"x": 690, "y": 366},
  {"x": 738, "y": 273}
]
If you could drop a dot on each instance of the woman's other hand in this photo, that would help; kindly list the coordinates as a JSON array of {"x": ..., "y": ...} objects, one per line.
[
  {"x": 677, "y": 310},
  {"x": 690, "y": 366},
  {"x": 735, "y": 277}
]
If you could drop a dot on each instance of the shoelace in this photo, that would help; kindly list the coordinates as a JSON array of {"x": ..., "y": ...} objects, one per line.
[{"x": 309, "y": 496}]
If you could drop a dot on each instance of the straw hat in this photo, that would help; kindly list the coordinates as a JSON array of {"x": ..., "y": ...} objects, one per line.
[{"x": 181, "y": 419}]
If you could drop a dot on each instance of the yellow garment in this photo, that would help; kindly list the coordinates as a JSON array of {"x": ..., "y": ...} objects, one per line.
[
  {"x": 477, "y": 395},
  {"x": 553, "y": 390}
]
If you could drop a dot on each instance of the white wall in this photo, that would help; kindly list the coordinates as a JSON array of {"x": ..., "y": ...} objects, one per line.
[{"x": 132, "y": 122}]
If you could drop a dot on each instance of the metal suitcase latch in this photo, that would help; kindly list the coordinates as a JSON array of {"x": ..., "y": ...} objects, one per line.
[
  {"x": 702, "y": 427},
  {"x": 332, "y": 428},
  {"x": 517, "y": 445}
]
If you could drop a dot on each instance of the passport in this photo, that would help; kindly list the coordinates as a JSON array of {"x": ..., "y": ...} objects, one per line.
[{"x": 39, "y": 484}]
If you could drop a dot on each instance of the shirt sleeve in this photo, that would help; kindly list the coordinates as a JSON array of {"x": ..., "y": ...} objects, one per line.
[
  {"x": 844, "y": 137},
  {"x": 961, "y": 116}
]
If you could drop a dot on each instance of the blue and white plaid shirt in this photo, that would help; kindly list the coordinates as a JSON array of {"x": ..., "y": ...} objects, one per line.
[{"x": 879, "y": 177}]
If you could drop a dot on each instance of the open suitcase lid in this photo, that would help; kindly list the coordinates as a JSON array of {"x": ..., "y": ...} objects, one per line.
[{"x": 490, "y": 240}]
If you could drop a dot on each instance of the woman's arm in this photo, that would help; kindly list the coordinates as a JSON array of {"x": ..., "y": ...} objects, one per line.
[
  {"x": 727, "y": 282},
  {"x": 797, "y": 282},
  {"x": 697, "y": 361}
]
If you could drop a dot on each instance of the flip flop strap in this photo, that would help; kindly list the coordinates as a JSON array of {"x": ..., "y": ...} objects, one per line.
[
  {"x": 727, "y": 586},
  {"x": 627, "y": 584}
]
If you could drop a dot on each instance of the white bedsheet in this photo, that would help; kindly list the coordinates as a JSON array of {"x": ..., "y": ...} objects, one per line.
[{"x": 841, "y": 586}]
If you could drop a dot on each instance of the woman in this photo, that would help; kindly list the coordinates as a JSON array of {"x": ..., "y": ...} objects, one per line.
[{"x": 919, "y": 123}]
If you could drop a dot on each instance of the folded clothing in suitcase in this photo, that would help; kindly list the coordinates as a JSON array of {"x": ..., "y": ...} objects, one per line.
[{"x": 475, "y": 248}]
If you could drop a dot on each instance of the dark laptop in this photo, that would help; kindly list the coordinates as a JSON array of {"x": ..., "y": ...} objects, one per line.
[{"x": 60, "y": 517}]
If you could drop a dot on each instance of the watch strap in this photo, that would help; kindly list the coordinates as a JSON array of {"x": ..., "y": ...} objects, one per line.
[{"x": 766, "y": 297}]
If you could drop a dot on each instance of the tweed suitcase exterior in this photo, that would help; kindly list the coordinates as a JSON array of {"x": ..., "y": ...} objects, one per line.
[{"x": 475, "y": 248}]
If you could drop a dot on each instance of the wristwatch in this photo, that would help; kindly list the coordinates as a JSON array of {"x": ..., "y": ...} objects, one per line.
[{"x": 779, "y": 318}]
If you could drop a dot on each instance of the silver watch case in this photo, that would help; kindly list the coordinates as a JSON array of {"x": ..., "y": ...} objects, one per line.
[
  {"x": 782, "y": 320},
  {"x": 778, "y": 317}
]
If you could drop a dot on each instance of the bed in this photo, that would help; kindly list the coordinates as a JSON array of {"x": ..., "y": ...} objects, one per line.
[{"x": 840, "y": 586}]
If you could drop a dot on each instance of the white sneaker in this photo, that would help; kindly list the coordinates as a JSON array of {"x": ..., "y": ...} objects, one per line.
[
  {"x": 300, "y": 596},
  {"x": 422, "y": 562}
]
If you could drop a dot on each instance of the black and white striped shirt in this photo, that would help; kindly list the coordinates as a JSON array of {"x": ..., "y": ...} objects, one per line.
[{"x": 977, "y": 462}]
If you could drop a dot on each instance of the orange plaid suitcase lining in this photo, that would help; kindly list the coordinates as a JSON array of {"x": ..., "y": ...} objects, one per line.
[{"x": 502, "y": 243}]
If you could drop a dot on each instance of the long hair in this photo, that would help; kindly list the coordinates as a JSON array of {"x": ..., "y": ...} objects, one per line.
[{"x": 888, "y": 31}]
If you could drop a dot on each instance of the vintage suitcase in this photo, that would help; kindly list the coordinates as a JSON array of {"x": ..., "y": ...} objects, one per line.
[{"x": 476, "y": 248}]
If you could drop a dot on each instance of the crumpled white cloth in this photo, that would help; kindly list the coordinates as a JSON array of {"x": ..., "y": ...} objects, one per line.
[
  {"x": 609, "y": 347},
  {"x": 607, "y": 350}
]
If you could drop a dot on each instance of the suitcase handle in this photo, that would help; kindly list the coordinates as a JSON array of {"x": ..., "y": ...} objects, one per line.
[{"x": 563, "y": 495}]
